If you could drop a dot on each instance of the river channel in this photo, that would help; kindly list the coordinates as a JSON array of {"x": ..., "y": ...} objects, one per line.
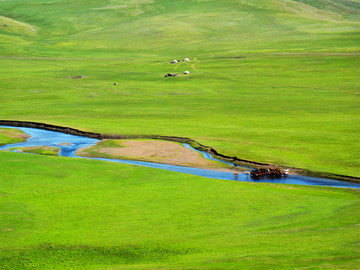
[{"x": 69, "y": 144}]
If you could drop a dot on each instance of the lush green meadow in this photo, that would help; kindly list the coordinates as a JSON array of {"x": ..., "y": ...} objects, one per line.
[
  {"x": 271, "y": 80},
  {"x": 297, "y": 108},
  {"x": 291, "y": 110},
  {"x": 85, "y": 214}
]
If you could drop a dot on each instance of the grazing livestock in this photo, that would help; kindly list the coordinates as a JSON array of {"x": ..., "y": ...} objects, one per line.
[
  {"x": 174, "y": 61},
  {"x": 186, "y": 72},
  {"x": 186, "y": 59},
  {"x": 171, "y": 75},
  {"x": 269, "y": 172}
]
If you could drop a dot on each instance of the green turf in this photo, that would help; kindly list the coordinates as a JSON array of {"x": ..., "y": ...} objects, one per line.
[{"x": 61, "y": 213}]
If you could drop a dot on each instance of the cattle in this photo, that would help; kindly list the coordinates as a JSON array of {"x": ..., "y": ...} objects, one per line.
[{"x": 171, "y": 75}]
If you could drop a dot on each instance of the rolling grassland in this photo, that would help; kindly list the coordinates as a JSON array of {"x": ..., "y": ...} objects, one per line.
[{"x": 273, "y": 81}]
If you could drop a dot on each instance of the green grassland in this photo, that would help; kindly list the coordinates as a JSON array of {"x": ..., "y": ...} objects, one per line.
[
  {"x": 297, "y": 111},
  {"x": 86, "y": 214},
  {"x": 146, "y": 27},
  {"x": 292, "y": 98},
  {"x": 297, "y": 108}
]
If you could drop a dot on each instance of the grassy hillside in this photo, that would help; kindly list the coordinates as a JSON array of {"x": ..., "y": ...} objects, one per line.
[
  {"x": 170, "y": 28},
  {"x": 62, "y": 213},
  {"x": 293, "y": 100}
]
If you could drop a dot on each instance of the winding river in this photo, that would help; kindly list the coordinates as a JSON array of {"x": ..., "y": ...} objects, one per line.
[{"x": 69, "y": 144}]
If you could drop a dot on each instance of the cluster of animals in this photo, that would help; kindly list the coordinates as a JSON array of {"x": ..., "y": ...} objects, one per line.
[
  {"x": 171, "y": 75},
  {"x": 269, "y": 172},
  {"x": 174, "y": 62},
  {"x": 177, "y": 61}
]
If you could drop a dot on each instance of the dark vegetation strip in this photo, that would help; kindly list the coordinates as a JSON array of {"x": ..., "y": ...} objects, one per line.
[
  {"x": 191, "y": 142},
  {"x": 83, "y": 256}
]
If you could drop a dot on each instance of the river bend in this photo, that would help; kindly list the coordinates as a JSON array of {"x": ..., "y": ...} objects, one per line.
[{"x": 69, "y": 144}]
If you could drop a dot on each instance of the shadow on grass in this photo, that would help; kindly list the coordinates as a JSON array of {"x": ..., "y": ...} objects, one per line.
[{"x": 48, "y": 256}]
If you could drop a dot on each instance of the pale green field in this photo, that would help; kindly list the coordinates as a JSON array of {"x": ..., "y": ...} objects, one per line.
[{"x": 174, "y": 28}]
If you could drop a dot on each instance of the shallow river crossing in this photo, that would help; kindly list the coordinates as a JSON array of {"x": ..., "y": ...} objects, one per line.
[{"x": 69, "y": 144}]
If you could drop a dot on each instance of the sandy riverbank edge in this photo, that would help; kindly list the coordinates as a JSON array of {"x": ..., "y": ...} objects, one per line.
[
  {"x": 20, "y": 135},
  {"x": 155, "y": 151},
  {"x": 193, "y": 143}
]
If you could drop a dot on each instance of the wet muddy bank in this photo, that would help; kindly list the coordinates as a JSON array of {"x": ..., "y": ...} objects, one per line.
[{"x": 234, "y": 160}]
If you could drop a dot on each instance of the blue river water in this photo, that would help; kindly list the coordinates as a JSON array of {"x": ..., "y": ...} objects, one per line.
[{"x": 69, "y": 144}]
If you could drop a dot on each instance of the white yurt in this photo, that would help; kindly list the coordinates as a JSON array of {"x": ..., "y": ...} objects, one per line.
[
  {"x": 186, "y": 72},
  {"x": 186, "y": 59}
]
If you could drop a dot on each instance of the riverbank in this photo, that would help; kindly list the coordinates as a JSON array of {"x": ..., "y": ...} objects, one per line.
[
  {"x": 41, "y": 150},
  {"x": 234, "y": 160},
  {"x": 158, "y": 151},
  {"x": 8, "y": 136}
]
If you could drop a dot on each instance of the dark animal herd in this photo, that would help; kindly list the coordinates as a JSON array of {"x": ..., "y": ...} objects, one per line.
[{"x": 268, "y": 172}]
